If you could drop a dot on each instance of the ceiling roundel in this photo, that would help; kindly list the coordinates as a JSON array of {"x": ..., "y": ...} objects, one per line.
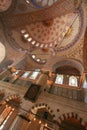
[
  {"x": 4, "y": 5},
  {"x": 2, "y": 52}
]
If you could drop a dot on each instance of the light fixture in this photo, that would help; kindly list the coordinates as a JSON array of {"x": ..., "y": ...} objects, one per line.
[
  {"x": 28, "y": 1},
  {"x": 34, "y": 119},
  {"x": 45, "y": 125},
  {"x": 13, "y": 70},
  {"x": 40, "y": 122}
]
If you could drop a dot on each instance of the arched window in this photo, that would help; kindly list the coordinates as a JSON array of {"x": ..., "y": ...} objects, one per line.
[
  {"x": 59, "y": 79},
  {"x": 26, "y": 74},
  {"x": 73, "y": 81},
  {"x": 34, "y": 74},
  {"x": 15, "y": 73}
]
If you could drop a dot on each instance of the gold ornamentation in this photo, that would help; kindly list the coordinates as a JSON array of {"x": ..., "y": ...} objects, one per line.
[{"x": 68, "y": 33}]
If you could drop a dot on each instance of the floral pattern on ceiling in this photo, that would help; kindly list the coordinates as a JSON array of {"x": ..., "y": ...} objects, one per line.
[
  {"x": 16, "y": 40},
  {"x": 4, "y": 5},
  {"x": 58, "y": 35},
  {"x": 29, "y": 34},
  {"x": 44, "y": 34}
]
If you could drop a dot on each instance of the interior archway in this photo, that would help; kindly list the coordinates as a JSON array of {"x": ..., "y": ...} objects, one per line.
[
  {"x": 68, "y": 66},
  {"x": 71, "y": 124}
]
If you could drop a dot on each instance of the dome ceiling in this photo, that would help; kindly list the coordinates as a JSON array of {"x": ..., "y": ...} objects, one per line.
[
  {"x": 47, "y": 37},
  {"x": 62, "y": 34},
  {"x": 58, "y": 35},
  {"x": 25, "y": 14},
  {"x": 52, "y": 34}
]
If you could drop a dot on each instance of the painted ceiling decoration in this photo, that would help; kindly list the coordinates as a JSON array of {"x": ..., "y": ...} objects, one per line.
[
  {"x": 45, "y": 32},
  {"x": 5, "y": 4},
  {"x": 61, "y": 7},
  {"x": 60, "y": 36}
]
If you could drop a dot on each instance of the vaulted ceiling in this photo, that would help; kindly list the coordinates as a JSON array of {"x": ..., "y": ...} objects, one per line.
[{"x": 44, "y": 37}]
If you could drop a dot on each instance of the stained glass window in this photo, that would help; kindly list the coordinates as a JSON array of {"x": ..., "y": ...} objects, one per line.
[
  {"x": 34, "y": 74},
  {"x": 73, "y": 81},
  {"x": 26, "y": 74},
  {"x": 15, "y": 73},
  {"x": 59, "y": 79}
]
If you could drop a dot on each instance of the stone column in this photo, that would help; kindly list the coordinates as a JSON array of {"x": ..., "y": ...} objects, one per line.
[
  {"x": 66, "y": 80},
  {"x": 43, "y": 79}
]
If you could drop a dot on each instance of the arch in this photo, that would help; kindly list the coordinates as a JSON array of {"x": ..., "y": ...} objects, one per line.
[
  {"x": 38, "y": 106},
  {"x": 14, "y": 100},
  {"x": 68, "y": 62},
  {"x": 71, "y": 115},
  {"x": 59, "y": 79},
  {"x": 73, "y": 81}
]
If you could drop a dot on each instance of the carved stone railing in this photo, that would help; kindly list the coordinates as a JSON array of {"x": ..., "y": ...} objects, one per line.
[{"x": 71, "y": 93}]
